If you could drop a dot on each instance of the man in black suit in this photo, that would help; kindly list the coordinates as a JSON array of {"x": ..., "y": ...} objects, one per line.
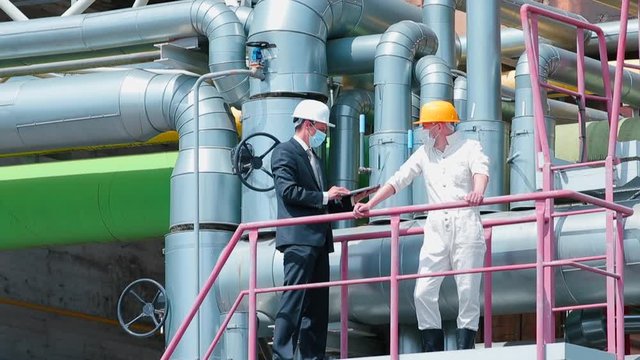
[{"x": 299, "y": 185}]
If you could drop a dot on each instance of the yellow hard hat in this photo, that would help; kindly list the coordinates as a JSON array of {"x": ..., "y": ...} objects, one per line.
[{"x": 437, "y": 111}]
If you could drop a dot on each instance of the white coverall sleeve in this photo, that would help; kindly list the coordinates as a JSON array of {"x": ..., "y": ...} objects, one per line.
[
  {"x": 478, "y": 161},
  {"x": 408, "y": 171}
]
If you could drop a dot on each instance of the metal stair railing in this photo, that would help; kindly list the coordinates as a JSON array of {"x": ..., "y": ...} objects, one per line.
[
  {"x": 394, "y": 276},
  {"x": 544, "y": 208}
]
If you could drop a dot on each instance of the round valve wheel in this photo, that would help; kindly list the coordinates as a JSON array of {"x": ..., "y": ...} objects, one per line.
[
  {"x": 245, "y": 161},
  {"x": 142, "y": 307}
]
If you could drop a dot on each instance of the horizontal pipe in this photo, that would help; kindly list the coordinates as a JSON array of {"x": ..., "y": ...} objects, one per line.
[
  {"x": 136, "y": 26},
  {"x": 514, "y": 249},
  {"x": 70, "y": 65}
]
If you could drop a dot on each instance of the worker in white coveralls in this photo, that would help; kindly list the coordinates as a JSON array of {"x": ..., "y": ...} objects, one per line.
[{"x": 454, "y": 168}]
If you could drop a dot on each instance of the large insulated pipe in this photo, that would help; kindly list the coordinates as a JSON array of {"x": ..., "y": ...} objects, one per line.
[
  {"x": 512, "y": 41},
  {"x": 344, "y": 152},
  {"x": 439, "y": 15},
  {"x": 392, "y": 83},
  {"x": 484, "y": 113},
  {"x": 436, "y": 83},
  {"x": 296, "y": 68},
  {"x": 135, "y": 105},
  {"x": 460, "y": 96},
  {"x": 143, "y": 25},
  {"x": 547, "y": 28},
  {"x": 514, "y": 291},
  {"x": 559, "y": 65}
]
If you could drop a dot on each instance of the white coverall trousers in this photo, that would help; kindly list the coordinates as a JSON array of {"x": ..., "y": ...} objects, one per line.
[{"x": 453, "y": 240}]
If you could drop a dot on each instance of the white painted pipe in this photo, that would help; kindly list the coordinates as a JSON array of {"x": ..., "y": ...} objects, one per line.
[{"x": 11, "y": 10}]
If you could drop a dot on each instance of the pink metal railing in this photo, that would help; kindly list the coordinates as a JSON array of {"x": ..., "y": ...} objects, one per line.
[
  {"x": 394, "y": 276},
  {"x": 614, "y": 226}
]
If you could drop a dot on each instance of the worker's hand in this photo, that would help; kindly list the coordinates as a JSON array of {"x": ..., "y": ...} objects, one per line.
[
  {"x": 361, "y": 210},
  {"x": 474, "y": 198},
  {"x": 337, "y": 192}
]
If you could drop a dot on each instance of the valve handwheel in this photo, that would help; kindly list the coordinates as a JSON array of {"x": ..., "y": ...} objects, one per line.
[
  {"x": 142, "y": 303},
  {"x": 244, "y": 160}
]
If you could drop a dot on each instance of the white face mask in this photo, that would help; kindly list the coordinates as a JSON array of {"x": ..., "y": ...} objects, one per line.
[{"x": 427, "y": 139}]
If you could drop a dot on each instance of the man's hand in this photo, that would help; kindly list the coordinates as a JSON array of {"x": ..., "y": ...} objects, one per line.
[
  {"x": 361, "y": 210},
  {"x": 336, "y": 192},
  {"x": 474, "y": 198}
]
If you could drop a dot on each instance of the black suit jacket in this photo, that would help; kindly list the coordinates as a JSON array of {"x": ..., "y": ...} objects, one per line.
[{"x": 299, "y": 194}]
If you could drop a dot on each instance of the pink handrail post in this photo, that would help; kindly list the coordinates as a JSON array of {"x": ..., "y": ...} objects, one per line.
[
  {"x": 344, "y": 301},
  {"x": 394, "y": 288},
  {"x": 488, "y": 288},
  {"x": 253, "y": 308},
  {"x": 611, "y": 286},
  {"x": 548, "y": 254},
  {"x": 620, "y": 289},
  {"x": 540, "y": 308}
]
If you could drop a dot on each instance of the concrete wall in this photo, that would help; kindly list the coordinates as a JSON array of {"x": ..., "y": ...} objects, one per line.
[{"x": 60, "y": 303}]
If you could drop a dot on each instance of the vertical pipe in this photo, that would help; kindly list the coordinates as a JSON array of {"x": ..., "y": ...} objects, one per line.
[
  {"x": 484, "y": 119},
  {"x": 439, "y": 15},
  {"x": 540, "y": 308},
  {"x": 348, "y": 115},
  {"x": 393, "y": 99},
  {"x": 460, "y": 96},
  {"x": 620, "y": 287},
  {"x": 436, "y": 83}
]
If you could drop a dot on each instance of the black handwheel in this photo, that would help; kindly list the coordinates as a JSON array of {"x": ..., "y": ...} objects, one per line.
[
  {"x": 244, "y": 161},
  {"x": 143, "y": 303}
]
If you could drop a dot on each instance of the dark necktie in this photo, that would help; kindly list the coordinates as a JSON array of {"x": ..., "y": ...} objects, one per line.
[{"x": 315, "y": 165}]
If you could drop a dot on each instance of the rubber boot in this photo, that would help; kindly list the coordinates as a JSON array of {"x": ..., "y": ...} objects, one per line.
[
  {"x": 465, "y": 339},
  {"x": 432, "y": 340}
]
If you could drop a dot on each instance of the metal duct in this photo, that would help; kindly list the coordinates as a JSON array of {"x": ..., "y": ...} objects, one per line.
[
  {"x": 513, "y": 291},
  {"x": 135, "y": 106},
  {"x": 436, "y": 83},
  {"x": 345, "y": 150},
  {"x": 143, "y": 25},
  {"x": 460, "y": 96},
  {"x": 439, "y": 15},
  {"x": 512, "y": 41},
  {"x": 559, "y": 65},
  {"x": 551, "y": 29},
  {"x": 484, "y": 117},
  {"x": 392, "y": 83},
  {"x": 355, "y": 55}
]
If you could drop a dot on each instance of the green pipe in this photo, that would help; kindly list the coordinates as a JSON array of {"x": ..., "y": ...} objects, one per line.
[{"x": 98, "y": 200}]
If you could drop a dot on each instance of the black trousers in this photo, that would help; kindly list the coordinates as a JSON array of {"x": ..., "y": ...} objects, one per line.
[{"x": 303, "y": 314}]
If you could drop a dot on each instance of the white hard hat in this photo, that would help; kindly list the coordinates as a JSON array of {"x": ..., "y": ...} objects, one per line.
[{"x": 313, "y": 110}]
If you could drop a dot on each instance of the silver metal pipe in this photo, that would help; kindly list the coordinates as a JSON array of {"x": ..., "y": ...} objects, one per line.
[
  {"x": 484, "y": 116},
  {"x": 344, "y": 150},
  {"x": 439, "y": 15},
  {"x": 436, "y": 83},
  {"x": 460, "y": 96},
  {"x": 143, "y": 25},
  {"x": 547, "y": 28},
  {"x": 392, "y": 81},
  {"x": 514, "y": 291},
  {"x": 70, "y": 65},
  {"x": 11, "y": 10},
  {"x": 559, "y": 65}
]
